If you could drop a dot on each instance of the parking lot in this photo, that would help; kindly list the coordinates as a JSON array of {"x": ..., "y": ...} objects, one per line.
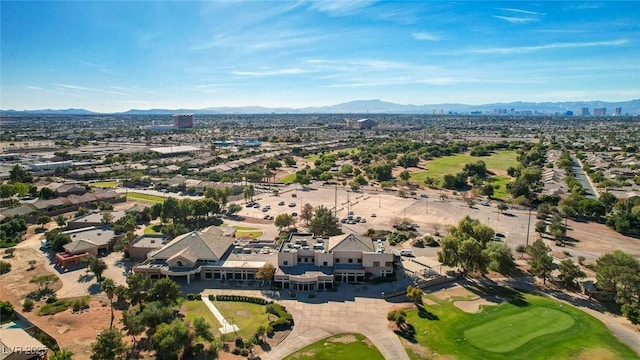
[{"x": 379, "y": 209}]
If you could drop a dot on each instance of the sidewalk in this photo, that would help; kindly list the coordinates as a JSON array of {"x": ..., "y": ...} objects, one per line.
[{"x": 226, "y": 327}]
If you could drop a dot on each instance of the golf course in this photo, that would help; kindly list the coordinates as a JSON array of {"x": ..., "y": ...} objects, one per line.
[{"x": 523, "y": 326}]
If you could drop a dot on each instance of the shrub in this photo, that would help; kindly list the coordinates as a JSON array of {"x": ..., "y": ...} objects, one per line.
[
  {"x": 53, "y": 308},
  {"x": 249, "y": 299},
  {"x": 394, "y": 314},
  {"x": 27, "y": 304},
  {"x": 80, "y": 304},
  {"x": 430, "y": 241},
  {"x": 51, "y": 299},
  {"x": 5, "y": 267}
]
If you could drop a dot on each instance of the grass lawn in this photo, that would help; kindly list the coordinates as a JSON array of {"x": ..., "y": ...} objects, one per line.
[
  {"x": 152, "y": 229},
  {"x": 287, "y": 179},
  {"x": 437, "y": 168},
  {"x": 196, "y": 308},
  {"x": 500, "y": 186},
  {"x": 247, "y": 231},
  {"x": 247, "y": 316},
  {"x": 523, "y": 327},
  {"x": 134, "y": 196},
  {"x": 339, "y": 347},
  {"x": 104, "y": 184}
]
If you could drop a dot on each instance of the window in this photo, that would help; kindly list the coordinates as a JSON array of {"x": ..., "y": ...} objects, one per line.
[
  {"x": 337, "y": 261},
  {"x": 299, "y": 259},
  {"x": 359, "y": 261},
  {"x": 324, "y": 263},
  {"x": 388, "y": 263},
  {"x": 376, "y": 263},
  {"x": 179, "y": 263},
  {"x": 350, "y": 261},
  {"x": 285, "y": 262}
]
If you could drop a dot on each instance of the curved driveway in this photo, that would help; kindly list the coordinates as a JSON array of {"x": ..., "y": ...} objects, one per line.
[{"x": 352, "y": 309}]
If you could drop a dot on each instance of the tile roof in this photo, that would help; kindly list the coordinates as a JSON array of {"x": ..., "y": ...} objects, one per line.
[{"x": 203, "y": 245}]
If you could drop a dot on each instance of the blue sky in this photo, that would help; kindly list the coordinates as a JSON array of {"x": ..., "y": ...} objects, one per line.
[{"x": 117, "y": 55}]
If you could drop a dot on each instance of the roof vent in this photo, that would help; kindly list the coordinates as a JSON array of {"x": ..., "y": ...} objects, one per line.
[{"x": 153, "y": 241}]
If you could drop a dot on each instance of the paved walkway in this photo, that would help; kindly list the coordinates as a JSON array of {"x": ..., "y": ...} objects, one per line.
[
  {"x": 226, "y": 327},
  {"x": 352, "y": 309}
]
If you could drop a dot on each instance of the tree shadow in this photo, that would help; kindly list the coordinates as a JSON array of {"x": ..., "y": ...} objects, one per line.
[
  {"x": 408, "y": 332},
  {"x": 426, "y": 314},
  {"x": 85, "y": 278},
  {"x": 94, "y": 289}
]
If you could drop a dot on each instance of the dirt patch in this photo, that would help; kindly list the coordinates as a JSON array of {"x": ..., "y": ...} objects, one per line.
[
  {"x": 600, "y": 354},
  {"x": 456, "y": 291},
  {"x": 345, "y": 339},
  {"x": 472, "y": 306},
  {"x": 15, "y": 286}
]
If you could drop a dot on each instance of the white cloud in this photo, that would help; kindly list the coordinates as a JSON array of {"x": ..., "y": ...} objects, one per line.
[
  {"x": 288, "y": 71},
  {"x": 528, "y": 49},
  {"x": 516, "y": 20},
  {"x": 341, "y": 7},
  {"x": 34, "y": 87},
  {"x": 81, "y": 88},
  {"x": 425, "y": 36},
  {"x": 520, "y": 11}
]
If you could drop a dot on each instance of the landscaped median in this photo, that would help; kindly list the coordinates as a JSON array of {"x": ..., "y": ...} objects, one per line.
[
  {"x": 254, "y": 317},
  {"x": 522, "y": 326},
  {"x": 339, "y": 347}
]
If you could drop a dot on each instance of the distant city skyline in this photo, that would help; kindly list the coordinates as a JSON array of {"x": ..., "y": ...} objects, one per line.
[{"x": 119, "y": 55}]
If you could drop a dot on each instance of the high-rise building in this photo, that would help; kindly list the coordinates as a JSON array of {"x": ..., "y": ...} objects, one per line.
[
  {"x": 600, "y": 111},
  {"x": 584, "y": 111},
  {"x": 617, "y": 111},
  {"x": 183, "y": 120}
]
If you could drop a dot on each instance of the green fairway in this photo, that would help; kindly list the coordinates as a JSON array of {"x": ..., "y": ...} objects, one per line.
[
  {"x": 499, "y": 184},
  {"x": 134, "y": 196},
  {"x": 525, "y": 326},
  {"x": 498, "y": 161},
  {"x": 339, "y": 347},
  {"x": 528, "y": 325}
]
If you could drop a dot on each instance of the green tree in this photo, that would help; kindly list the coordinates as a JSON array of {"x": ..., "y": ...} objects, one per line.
[
  {"x": 608, "y": 200},
  {"x": 569, "y": 272},
  {"x": 284, "y": 220},
  {"x": 471, "y": 256},
  {"x": 20, "y": 174},
  {"x": 324, "y": 223},
  {"x": 109, "y": 288},
  {"x": 62, "y": 354},
  {"x": 503, "y": 207},
  {"x": 154, "y": 314},
  {"x": 96, "y": 265},
  {"x": 169, "y": 340},
  {"x": 266, "y": 273},
  {"x": 57, "y": 239},
  {"x": 43, "y": 282},
  {"x": 138, "y": 288},
  {"x": 109, "y": 346},
  {"x": 60, "y": 220},
  {"x": 541, "y": 227},
  {"x": 9, "y": 252},
  {"x": 233, "y": 209},
  {"x": 133, "y": 325},
  {"x": 541, "y": 266},
  {"x": 43, "y": 220},
  {"x": 166, "y": 291},
  {"x": 499, "y": 257},
  {"x": 405, "y": 175},
  {"x": 414, "y": 294}
]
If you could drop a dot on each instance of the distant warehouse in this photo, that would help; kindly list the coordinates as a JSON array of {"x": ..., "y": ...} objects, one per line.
[{"x": 168, "y": 151}]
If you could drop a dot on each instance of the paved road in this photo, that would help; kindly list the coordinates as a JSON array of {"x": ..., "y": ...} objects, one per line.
[
  {"x": 583, "y": 179},
  {"x": 352, "y": 309}
]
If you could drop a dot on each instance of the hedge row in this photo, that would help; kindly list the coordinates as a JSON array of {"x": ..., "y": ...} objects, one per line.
[
  {"x": 284, "y": 321},
  {"x": 248, "y": 299}
]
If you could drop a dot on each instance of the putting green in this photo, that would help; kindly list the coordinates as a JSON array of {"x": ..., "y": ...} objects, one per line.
[{"x": 510, "y": 332}]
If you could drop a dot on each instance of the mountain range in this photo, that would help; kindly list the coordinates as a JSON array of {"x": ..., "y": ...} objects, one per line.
[{"x": 631, "y": 107}]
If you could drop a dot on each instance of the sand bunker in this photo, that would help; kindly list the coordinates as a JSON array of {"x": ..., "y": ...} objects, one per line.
[{"x": 473, "y": 306}]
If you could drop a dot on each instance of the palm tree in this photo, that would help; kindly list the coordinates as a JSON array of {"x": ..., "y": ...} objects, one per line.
[{"x": 109, "y": 288}]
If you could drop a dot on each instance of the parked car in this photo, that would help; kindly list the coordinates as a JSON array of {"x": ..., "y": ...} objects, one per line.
[
  {"x": 373, "y": 215},
  {"x": 281, "y": 203},
  {"x": 294, "y": 195},
  {"x": 484, "y": 203},
  {"x": 294, "y": 214},
  {"x": 292, "y": 204}
]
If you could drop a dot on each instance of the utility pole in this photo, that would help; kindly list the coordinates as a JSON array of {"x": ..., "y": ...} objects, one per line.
[{"x": 528, "y": 226}]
